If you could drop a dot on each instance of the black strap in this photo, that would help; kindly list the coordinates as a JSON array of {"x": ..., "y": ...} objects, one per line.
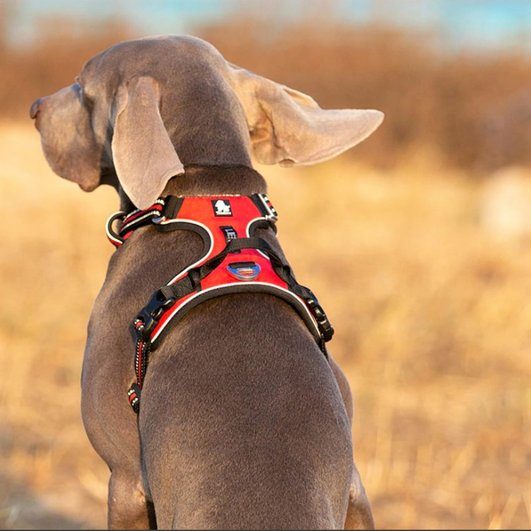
[{"x": 172, "y": 205}]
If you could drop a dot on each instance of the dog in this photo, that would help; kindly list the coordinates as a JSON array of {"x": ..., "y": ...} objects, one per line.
[{"x": 244, "y": 423}]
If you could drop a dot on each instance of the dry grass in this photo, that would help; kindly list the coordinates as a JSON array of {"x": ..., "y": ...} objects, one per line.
[{"x": 433, "y": 328}]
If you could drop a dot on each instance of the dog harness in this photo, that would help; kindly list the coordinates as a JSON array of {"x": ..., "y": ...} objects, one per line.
[{"x": 234, "y": 260}]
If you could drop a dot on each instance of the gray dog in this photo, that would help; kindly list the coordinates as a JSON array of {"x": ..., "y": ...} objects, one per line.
[{"x": 244, "y": 423}]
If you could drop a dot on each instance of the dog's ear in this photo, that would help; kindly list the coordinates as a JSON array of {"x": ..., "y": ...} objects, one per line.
[
  {"x": 143, "y": 155},
  {"x": 289, "y": 127}
]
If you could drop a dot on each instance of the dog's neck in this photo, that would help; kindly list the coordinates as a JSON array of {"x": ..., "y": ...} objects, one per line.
[{"x": 209, "y": 180}]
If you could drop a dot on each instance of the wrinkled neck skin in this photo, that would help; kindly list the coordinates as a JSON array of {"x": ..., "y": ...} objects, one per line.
[{"x": 209, "y": 180}]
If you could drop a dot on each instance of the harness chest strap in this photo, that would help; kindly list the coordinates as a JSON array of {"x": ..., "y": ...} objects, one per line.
[{"x": 233, "y": 261}]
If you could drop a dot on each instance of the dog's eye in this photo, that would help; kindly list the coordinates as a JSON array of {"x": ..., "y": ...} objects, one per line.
[
  {"x": 79, "y": 90},
  {"x": 83, "y": 98}
]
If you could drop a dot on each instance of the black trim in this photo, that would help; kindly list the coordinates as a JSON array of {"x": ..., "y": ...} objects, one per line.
[
  {"x": 264, "y": 205},
  {"x": 261, "y": 224},
  {"x": 255, "y": 198},
  {"x": 172, "y": 206},
  {"x": 184, "y": 225}
]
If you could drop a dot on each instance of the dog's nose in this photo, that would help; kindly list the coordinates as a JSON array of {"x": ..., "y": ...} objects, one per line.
[{"x": 34, "y": 109}]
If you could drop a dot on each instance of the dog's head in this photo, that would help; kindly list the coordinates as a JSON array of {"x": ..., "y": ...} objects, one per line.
[{"x": 141, "y": 109}]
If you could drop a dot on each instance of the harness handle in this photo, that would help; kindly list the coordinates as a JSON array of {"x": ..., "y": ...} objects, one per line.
[{"x": 192, "y": 281}]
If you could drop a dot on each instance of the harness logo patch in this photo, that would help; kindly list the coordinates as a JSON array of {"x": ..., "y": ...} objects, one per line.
[{"x": 221, "y": 207}]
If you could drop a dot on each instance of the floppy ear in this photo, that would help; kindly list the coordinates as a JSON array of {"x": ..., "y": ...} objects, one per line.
[
  {"x": 289, "y": 127},
  {"x": 143, "y": 155}
]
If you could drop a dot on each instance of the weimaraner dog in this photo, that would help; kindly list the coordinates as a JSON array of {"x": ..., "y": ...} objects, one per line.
[{"x": 244, "y": 423}]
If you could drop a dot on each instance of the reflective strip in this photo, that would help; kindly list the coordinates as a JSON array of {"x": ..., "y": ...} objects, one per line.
[{"x": 232, "y": 285}]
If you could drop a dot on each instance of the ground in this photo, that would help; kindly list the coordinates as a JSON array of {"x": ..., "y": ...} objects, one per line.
[{"x": 433, "y": 325}]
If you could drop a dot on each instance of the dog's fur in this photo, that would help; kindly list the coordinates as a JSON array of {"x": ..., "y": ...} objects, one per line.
[{"x": 243, "y": 423}]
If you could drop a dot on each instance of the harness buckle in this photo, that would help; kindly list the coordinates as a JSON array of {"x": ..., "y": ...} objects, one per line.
[
  {"x": 151, "y": 313},
  {"x": 323, "y": 323}
]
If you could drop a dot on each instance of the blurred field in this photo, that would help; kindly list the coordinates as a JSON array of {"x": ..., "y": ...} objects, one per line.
[
  {"x": 433, "y": 325},
  {"x": 472, "y": 110}
]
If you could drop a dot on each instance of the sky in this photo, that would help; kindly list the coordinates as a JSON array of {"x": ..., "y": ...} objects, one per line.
[{"x": 481, "y": 24}]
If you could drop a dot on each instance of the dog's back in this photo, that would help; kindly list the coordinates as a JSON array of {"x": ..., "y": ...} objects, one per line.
[
  {"x": 251, "y": 430},
  {"x": 242, "y": 423}
]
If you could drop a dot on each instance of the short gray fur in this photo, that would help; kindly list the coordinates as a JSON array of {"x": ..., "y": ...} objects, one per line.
[{"x": 243, "y": 424}]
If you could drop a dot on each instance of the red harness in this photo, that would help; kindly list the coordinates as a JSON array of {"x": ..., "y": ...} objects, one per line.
[{"x": 233, "y": 261}]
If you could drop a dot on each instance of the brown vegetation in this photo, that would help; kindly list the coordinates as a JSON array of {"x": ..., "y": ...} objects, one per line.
[{"x": 469, "y": 111}]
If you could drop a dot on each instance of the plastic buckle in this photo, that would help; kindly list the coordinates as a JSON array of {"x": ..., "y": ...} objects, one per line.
[
  {"x": 152, "y": 312},
  {"x": 325, "y": 327}
]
